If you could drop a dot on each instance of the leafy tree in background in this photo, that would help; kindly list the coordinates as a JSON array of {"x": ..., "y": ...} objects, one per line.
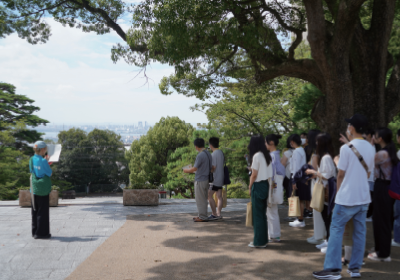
[
  {"x": 19, "y": 110},
  {"x": 96, "y": 159},
  {"x": 149, "y": 155},
  {"x": 15, "y": 107},
  {"x": 14, "y": 164}
]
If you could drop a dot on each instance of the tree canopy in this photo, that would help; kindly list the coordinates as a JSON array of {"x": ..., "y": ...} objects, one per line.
[
  {"x": 354, "y": 45},
  {"x": 149, "y": 155},
  {"x": 95, "y": 159}
]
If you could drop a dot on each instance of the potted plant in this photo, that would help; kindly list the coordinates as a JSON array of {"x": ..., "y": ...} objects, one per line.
[
  {"x": 146, "y": 194},
  {"x": 53, "y": 196}
]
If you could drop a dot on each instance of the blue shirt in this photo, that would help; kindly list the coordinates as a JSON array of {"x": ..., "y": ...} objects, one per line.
[
  {"x": 40, "y": 166},
  {"x": 276, "y": 162}
]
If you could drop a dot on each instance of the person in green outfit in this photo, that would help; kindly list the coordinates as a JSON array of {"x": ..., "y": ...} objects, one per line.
[
  {"x": 40, "y": 190},
  {"x": 261, "y": 171}
]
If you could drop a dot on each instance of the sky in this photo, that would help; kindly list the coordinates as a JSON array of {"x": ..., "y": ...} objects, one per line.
[{"x": 73, "y": 80}]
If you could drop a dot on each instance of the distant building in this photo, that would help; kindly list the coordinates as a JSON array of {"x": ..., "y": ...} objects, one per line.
[{"x": 140, "y": 125}]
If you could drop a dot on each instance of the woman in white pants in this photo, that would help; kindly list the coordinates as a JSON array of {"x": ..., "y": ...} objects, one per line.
[{"x": 274, "y": 226}]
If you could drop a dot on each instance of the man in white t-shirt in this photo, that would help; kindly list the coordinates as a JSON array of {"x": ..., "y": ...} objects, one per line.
[{"x": 352, "y": 199}]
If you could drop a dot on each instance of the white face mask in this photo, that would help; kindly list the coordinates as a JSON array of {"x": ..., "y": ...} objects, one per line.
[{"x": 303, "y": 141}]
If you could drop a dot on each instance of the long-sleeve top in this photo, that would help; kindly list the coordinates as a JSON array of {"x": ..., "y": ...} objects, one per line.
[
  {"x": 383, "y": 163},
  {"x": 298, "y": 160},
  {"x": 40, "y": 166},
  {"x": 279, "y": 169}
]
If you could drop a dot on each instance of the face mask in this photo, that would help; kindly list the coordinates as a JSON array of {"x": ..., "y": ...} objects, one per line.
[{"x": 303, "y": 141}]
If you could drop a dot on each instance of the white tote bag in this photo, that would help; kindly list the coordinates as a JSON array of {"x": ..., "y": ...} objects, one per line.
[{"x": 276, "y": 192}]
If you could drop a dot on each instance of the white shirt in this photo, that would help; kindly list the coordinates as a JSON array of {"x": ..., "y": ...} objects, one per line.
[
  {"x": 298, "y": 160},
  {"x": 327, "y": 168},
  {"x": 288, "y": 154},
  {"x": 398, "y": 154},
  {"x": 355, "y": 189},
  {"x": 260, "y": 164}
]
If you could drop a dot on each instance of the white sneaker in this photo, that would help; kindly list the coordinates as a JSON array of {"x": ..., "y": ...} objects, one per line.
[
  {"x": 368, "y": 219},
  {"x": 315, "y": 241},
  {"x": 395, "y": 244},
  {"x": 251, "y": 244},
  {"x": 297, "y": 223},
  {"x": 311, "y": 238},
  {"x": 374, "y": 257},
  {"x": 323, "y": 250},
  {"x": 322, "y": 245}
]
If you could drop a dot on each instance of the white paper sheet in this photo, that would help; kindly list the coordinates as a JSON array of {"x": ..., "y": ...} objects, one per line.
[{"x": 54, "y": 151}]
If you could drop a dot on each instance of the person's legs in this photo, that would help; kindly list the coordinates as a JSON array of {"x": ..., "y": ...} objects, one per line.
[
  {"x": 326, "y": 220},
  {"x": 341, "y": 215},
  {"x": 201, "y": 193},
  {"x": 34, "y": 217},
  {"x": 274, "y": 226},
  {"x": 302, "y": 207},
  {"x": 319, "y": 224},
  {"x": 43, "y": 215},
  {"x": 220, "y": 202},
  {"x": 382, "y": 219},
  {"x": 212, "y": 202},
  {"x": 259, "y": 206},
  {"x": 396, "y": 229},
  {"x": 348, "y": 250},
  {"x": 359, "y": 236}
]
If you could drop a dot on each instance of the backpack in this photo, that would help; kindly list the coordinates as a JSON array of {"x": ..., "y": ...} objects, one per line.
[
  {"x": 227, "y": 180},
  {"x": 394, "y": 187}
]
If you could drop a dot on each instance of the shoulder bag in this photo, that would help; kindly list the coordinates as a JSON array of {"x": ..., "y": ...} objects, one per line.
[
  {"x": 359, "y": 156},
  {"x": 210, "y": 174}
]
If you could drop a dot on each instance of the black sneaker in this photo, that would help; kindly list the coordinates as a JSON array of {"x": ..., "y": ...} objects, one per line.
[
  {"x": 42, "y": 237},
  {"x": 354, "y": 273},
  {"x": 212, "y": 218},
  {"x": 327, "y": 275},
  {"x": 309, "y": 215}
]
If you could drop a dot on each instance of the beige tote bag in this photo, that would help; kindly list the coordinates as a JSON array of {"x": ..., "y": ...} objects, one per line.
[{"x": 318, "y": 196}]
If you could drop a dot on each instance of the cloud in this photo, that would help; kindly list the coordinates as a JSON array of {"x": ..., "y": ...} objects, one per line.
[{"x": 73, "y": 80}]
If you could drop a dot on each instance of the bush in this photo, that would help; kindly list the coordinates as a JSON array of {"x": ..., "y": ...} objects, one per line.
[{"x": 238, "y": 189}]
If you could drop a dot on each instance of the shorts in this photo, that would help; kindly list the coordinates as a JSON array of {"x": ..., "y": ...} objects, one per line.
[
  {"x": 215, "y": 188},
  {"x": 304, "y": 191}
]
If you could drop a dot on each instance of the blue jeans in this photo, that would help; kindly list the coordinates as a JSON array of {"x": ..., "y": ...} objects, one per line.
[
  {"x": 396, "y": 229},
  {"x": 341, "y": 215}
]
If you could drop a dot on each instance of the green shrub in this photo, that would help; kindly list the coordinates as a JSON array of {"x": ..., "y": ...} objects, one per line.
[{"x": 238, "y": 189}]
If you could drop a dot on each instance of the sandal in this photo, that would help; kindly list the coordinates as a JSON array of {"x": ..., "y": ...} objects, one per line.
[{"x": 198, "y": 220}]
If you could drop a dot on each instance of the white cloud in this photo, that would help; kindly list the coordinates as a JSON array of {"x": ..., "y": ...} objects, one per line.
[{"x": 73, "y": 80}]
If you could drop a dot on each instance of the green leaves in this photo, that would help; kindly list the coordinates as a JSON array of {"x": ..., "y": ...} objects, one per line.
[
  {"x": 96, "y": 158},
  {"x": 149, "y": 155}
]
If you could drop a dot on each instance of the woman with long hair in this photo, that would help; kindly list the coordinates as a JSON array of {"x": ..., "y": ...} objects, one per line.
[
  {"x": 285, "y": 160},
  {"x": 274, "y": 226},
  {"x": 382, "y": 217},
  {"x": 261, "y": 168},
  {"x": 326, "y": 171}
]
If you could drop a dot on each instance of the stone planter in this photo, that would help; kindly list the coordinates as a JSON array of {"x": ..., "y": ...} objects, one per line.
[
  {"x": 140, "y": 197},
  {"x": 25, "y": 198},
  {"x": 53, "y": 198}
]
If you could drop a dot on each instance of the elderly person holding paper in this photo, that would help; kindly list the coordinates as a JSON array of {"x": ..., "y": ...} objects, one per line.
[{"x": 40, "y": 190}]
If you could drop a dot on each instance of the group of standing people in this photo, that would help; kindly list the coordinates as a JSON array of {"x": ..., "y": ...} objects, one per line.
[{"x": 356, "y": 184}]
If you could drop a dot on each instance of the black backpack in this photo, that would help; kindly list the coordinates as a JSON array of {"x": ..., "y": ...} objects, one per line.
[{"x": 227, "y": 180}]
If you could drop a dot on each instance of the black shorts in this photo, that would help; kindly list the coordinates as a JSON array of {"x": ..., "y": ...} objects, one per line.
[{"x": 216, "y": 188}]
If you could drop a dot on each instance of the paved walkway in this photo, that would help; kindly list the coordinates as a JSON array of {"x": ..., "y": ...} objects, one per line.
[
  {"x": 78, "y": 228},
  {"x": 165, "y": 247}
]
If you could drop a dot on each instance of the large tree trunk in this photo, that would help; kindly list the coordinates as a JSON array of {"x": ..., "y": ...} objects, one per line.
[{"x": 354, "y": 73}]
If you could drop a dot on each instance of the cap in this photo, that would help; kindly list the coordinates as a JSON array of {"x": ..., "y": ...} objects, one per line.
[
  {"x": 40, "y": 144},
  {"x": 360, "y": 122}
]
